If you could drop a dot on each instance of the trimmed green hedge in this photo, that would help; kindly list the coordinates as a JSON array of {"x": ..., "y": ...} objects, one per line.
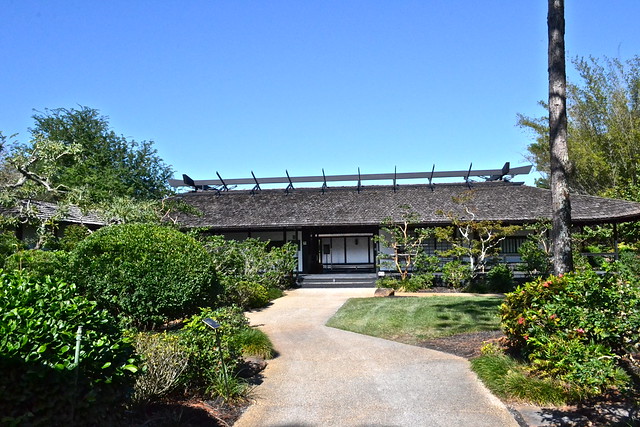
[
  {"x": 149, "y": 274},
  {"x": 39, "y": 263}
]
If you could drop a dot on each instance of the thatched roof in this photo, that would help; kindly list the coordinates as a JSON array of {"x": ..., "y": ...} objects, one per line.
[{"x": 345, "y": 206}]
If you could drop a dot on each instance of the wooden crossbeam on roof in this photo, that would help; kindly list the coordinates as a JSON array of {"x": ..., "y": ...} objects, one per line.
[{"x": 485, "y": 174}]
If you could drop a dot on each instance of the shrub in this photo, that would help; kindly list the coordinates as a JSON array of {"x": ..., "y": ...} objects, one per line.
[
  {"x": 414, "y": 283},
  {"x": 9, "y": 244},
  {"x": 40, "y": 382},
  {"x": 205, "y": 347},
  {"x": 417, "y": 282},
  {"x": 574, "y": 327},
  {"x": 628, "y": 266},
  {"x": 73, "y": 234},
  {"x": 455, "y": 273},
  {"x": 255, "y": 343},
  {"x": 428, "y": 264},
  {"x": 280, "y": 263},
  {"x": 164, "y": 360},
  {"x": 274, "y": 293},
  {"x": 39, "y": 263},
  {"x": 388, "y": 282},
  {"x": 536, "y": 261},
  {"x": 146, "y": 273},
  {"x": 252, "y": 260},
  {"x": 500, "y": 278},
  {"x": 246, "y": 294}
]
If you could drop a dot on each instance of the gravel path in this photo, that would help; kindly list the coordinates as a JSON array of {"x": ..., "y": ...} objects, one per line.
[{"x": 328, "y": 377}]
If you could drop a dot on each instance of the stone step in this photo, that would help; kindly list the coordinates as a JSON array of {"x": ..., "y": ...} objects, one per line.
[{"x": 355, "y": 280}]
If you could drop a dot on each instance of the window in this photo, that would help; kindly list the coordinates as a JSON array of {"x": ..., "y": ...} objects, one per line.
[{"x": 510, "y": 245}]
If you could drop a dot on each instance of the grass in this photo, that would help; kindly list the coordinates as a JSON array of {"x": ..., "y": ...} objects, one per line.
[
  {"x": 508, "y": 379},
  {"x": 414, "y": 319},
  {"x": 254, "y": 342}
]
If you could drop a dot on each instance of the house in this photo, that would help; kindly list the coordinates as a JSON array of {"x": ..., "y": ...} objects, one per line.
[
  {"x": 334, "y": 227},
  {"x": 49, "y": 214}
]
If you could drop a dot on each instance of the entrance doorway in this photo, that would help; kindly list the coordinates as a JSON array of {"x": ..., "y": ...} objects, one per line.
[{"x": 346, "y": 252}]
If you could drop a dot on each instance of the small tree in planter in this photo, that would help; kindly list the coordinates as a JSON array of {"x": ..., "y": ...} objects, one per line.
[{"x": 404, "y": 240}]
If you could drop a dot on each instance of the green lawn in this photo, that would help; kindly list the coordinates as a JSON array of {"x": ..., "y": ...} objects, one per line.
[{"x": 414, "y": 319}]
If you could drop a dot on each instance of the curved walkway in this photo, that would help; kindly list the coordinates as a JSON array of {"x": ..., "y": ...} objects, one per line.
[{"x": 329, "y": 377}]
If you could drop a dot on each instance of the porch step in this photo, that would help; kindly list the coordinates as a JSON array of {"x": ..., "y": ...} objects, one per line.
[{"x": 341, "y": 280}]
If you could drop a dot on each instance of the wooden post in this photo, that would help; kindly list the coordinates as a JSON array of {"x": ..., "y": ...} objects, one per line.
[{"x": 616, "y": 250}]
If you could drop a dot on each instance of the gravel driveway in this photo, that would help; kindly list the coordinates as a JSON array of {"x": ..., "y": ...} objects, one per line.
[{"x": 328, "y": 377}]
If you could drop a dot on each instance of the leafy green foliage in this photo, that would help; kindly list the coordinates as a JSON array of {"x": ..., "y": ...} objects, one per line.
[
  {"x": 419, "y": 281},
  {"x": 248, "y": 269},
  {"x": 535, "y": 261},
  {"x": 414, "y": 283},
  {"x": 246, "y": 294},
  {"x": 455, "y": 273},
  {"x": 474, "y": 241},
  {"x": 576, "y": 327},
  {"x": 500, "y": 278},
  {"x": 105, "y": 165},
  {"x": 427, "y": 264},
  {"x": 213, "y": 354},
  {"x": 9, "y": 244},
  {"x": 255, "y": 343},
  {"x": 603, "y": 129},
  {"x": 39, "y": 263},
  {"x": 146, "y": 273},
  {"x": 73, "y": 234},
  {"x": 39, "y": 318},
  {"x": 74, "y": 158},
  {"x": 388, "y": 282},
  {"x": 29, "y": 170}
]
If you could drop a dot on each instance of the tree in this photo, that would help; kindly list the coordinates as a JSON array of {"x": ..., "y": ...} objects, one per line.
[
  {"x": 603, "y": 128},
  {"x": 74, "y": 158},
  {"x": 404, "y": 240},
  {"x": 106, "y": 166},
  {"x": 474, "y": 240},
  {"x": 559, "y": 154},
  {"x": 28, "y": 171}
]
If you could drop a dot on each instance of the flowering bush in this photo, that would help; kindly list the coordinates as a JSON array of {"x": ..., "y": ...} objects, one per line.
[{"x": 575, "y": 327}]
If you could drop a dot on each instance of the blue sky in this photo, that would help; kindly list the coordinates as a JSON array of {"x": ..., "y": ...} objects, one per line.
[{"x": 269, "y": 86}]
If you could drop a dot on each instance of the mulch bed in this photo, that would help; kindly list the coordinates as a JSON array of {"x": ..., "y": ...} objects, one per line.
[
  {"x": 464, "y": 345},
  {"x": 192, "y": 412}
]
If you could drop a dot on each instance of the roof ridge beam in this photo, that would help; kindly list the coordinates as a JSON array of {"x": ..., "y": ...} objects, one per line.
[{"x": 290, "y": 180}]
